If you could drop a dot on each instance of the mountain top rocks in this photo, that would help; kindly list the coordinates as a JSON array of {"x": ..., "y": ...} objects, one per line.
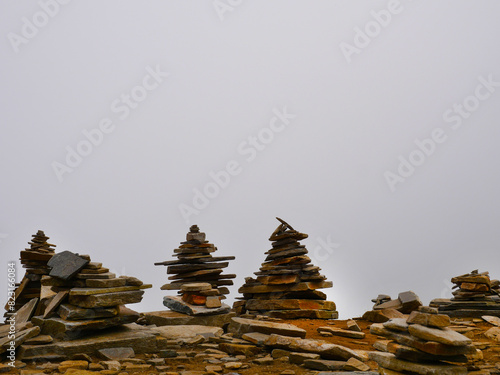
[
  {"x": 287, "y": 283},
  {"x": 474, "y": 295},
  {"x": 423, "y": 343}
]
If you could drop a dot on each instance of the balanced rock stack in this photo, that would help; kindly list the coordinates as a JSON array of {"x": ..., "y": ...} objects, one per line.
[
  {"x": 80, "y": 295},
  {"x": 475, "y": 295},
  {"x": 34, "y": 260},
  {"x": 287, "y": 283},
  {"x": 421, "y": 344},
  {"x": 195, "y": 264}
]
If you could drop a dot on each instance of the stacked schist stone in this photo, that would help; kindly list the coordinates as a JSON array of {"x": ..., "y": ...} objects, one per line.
[
  {"x": 421, "y": 344},
  {"x": 475, "y": 295},
  {"x": 79, "y": 296},
  {"x": 197, "y": 275},
  {"x": 287, "y": 283},
  {"x": 34, "y": 260}
]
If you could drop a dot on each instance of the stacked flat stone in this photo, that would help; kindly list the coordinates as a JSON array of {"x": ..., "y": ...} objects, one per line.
[
  {"x": 195, "y": 263},
  {"x": 287, "y": 283},
  {"x": 201, "y": 294},
  {"x": 421, "y": 344},
  {"x": 475, "y": 295},
  {"x": 386, "y": 308},
  {"x": 80, "y": 296},
  {"x": 34, "y": 259}
]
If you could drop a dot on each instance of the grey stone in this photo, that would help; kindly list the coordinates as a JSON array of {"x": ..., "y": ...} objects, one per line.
[
  {"x": 177, "y": 304},
  {"x": 66, "y": 264}
]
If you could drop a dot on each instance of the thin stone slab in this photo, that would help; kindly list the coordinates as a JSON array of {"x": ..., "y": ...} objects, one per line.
[
  {"x": 173, "y": 318},
  {"x": 495, "y": 320},
  {"x": 444, "y": 336},
  {"x": 106, "y": 300},
  {"x": 388, "y": 360},
  {"x": 94, "y": 291},
  {"x": 289, "y": 304},
  {"x": 177, "y": 304},
  {"x": 342, "y": 332},
  {"x": 430, "y": 320},
  {"x": 325, "y": 349},
  {"x": 71, "y": 312},
  {"x": 66, "y": 329},
  {"x": 107, "y": 275},
  {"x": 285, "y": 288},
  {"x": 55, "y": 302},
  {"x": 25, "y": 313},
  {"x": 114, "y": 354},
  {"x": 302, "y": 314},
  {"x": 188, "y": 331},
  {"x": 240, "y": 326},
  {"x": 105, "y": 283},
  {"x": 141, "y": 339},
  {"x": 195, "y": 287},
  {"x": 66, "y": 264}
]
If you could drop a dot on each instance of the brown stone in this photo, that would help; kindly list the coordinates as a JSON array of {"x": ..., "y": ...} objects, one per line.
[
  {"x": 106, "y": 300},
  {"x": 289, "y": 304}
]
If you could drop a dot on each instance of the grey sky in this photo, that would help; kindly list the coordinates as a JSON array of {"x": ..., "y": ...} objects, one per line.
[{"x": 430, "y": 70}]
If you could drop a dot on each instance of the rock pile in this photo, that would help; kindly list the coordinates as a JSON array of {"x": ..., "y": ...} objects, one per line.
[
  {"x": 386, "y": 308},
  {"x": 195, "y": 263},
  {"x": 475, "y": 295},
  {"x": 34, "y": 260},
  {"x": 198, "y": 277},
  {"x": 421, "y": 344},
  {"x": 81, "y": 296},
  {"x": 287, "y": 283}
]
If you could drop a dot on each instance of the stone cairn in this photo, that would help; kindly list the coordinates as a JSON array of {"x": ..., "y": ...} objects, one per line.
[
  {"x": 421, "y": 344},
  {"x": 287, "y": 283},
  {"x": 66, "y": 294},
  {"x": 34, "y": 260},
  {"x": 197, "y": 275},
  {"x": 475, "y": 295}
]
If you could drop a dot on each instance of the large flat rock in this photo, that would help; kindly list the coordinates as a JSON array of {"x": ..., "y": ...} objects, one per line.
[
  {"x": 142, "y": 340},
  {"x": 107, "y": 299},
  {"x": 177, "y": 304},
  {"x": 325, "y": 349},
  {"x": 187, "y": 331},
  {"x": 172, "y": 318},
  {"x": 390, "y": 361},
  {"x": 239, "y": 326},
  {"x": 66, "y": 264},
  {"x": 444, "y": 336}
]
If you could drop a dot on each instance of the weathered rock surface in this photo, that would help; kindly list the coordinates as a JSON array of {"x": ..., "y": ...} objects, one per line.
[{"x": 239, "y": 326}]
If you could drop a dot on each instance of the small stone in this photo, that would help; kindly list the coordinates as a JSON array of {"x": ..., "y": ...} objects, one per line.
[
  {"x": 113, "y": 354},
  {"x": 213, "y": 302},
  {"x": 353, "y": 326},
  {"x": 195, "y": 287},
  {"x": 80, "y": 365}
]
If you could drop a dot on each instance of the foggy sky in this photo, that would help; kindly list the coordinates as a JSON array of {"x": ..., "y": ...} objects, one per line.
[{"x": 314, "y": 120}]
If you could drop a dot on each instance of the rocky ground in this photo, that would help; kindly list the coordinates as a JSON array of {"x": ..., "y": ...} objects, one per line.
[{"x": 200, "y": 355}]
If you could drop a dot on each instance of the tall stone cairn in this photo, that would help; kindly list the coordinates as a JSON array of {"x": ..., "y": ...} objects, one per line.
[
  {"x": 195, "y": 263},
  {"x": 287, "y": 284}
]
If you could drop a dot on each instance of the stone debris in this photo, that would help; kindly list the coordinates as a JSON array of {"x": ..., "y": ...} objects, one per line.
[
  {"x": 386, "y": 308},
  {"x": 287, "y": 284},
  {"x": 422, "y": 344},
  {"x": 474, "y": 295},
  {"x": 195, "y": 263}
]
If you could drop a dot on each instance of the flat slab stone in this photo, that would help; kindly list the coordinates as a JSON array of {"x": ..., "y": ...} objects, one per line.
[
  {"x": 71, "y": 312},
  {"x": 495, "y": 320},
  {"x": 177, "y": 304},
  {"x": 139, "y": 338},
  {"x": 99, "y": 290},
  {"x": 66, "y": 264},
  {"x": 172, "y": 318},
  {"x": 325, "y": 349},
  {"x": 301, "y": 314},
  {"x": 239, "y": 326},
  {"x": 55, "y": 302},
  {"x": 188, "y": 331},
  {"x": 114, "y": 354},
  {"x": 286, "y": 288},
  {"x": 444, "y": 335},
  {"x": 106, "y": 275},
  {"x": 66, "y": 329},
  {"x": 105, "y": 283},
  {"x": 25, "y": 313},
  {"x": 342, "y": 332},
  {"x": 388, "y": 360},
  {"x": 106, "y": 300}
]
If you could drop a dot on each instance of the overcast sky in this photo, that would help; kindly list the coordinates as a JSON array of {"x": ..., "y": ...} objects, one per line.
[{"x": 373, "y": 126}]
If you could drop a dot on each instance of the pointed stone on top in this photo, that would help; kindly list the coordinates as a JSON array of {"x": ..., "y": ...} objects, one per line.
[{"x": 285, "y": 230}]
